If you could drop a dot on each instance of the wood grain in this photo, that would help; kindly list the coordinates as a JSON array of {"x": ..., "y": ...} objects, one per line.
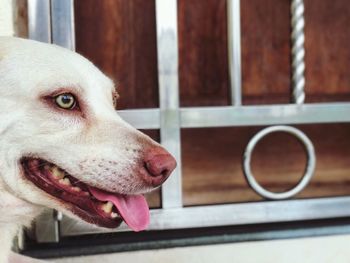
[
  {"x": 265, "y": 30},
  {"x": 327, "y": 46},
  {"x": 120, "y": 38},
  {"x": 203, "y": 71}
]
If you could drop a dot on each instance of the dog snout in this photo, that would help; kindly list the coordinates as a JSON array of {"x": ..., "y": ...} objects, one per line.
[{"x": 159, "y": 164}]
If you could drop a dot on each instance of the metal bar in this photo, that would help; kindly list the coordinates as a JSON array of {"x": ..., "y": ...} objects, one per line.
[
  {"x": 142, "y": 119},
  {"x": 234, "y": 50},
  {"x": 264, "y": 115},
  {"x": 63, "y": 34},
  {"x": 63, "y": 23},
  {"x": 298, "y": 51},
  {"x": 230, "y": 214},
  {"x": 244, "y": 116},
  {"x": 39, "y": 22},
  {"x": 39, "y": 16},
  {"x": 47, "y": 227},
  {"x": 59, "y": 29},
  {"x": 167, "y": 51}
]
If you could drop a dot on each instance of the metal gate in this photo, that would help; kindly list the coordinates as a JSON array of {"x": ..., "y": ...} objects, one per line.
[{"x": 53, "y": 21}]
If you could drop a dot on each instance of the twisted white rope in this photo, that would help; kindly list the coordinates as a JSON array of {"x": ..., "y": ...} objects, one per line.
[{"x": 298, "y": 51}]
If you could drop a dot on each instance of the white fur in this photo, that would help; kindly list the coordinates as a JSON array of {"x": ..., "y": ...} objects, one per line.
[{"x": 99, "y": 148}]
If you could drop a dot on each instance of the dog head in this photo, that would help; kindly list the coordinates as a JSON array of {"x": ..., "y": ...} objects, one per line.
[{"x": 63, "y": 145}]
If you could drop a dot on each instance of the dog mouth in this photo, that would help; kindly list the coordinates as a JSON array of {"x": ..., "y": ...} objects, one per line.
[{"x": 93, "y": 205}]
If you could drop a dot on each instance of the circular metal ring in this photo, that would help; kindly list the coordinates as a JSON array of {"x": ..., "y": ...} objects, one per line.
[{"x": 309, "y": 170}]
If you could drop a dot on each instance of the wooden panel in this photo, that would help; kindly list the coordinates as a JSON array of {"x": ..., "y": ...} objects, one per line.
[
  {"x": 20, "y": 18},
  {"x": 212, "y": 170},
  {"x": 265, "y": 30},
  {"x": 203, "y": 52},
  {"x": 119, "y": 36},
  {"x": 327, "y": 45}
]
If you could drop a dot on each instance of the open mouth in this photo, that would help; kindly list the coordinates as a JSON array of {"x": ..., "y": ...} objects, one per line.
[{"x": 93, "y": 205}]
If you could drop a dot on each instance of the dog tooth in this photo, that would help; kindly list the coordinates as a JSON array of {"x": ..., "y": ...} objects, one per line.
[
  {"x": 76, "y": 188},
  {"x": 114, "y": 215},
  {"x": 57, "y": 173},
  {"x": 107, "y": 207},
  {"x": 64, "y": 181}
]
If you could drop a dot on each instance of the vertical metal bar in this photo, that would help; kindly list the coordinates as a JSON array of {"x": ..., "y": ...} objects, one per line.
[
  {"x": 51, "y": 21},
  {"x": 39, "y": 22},
  {"x": 39, "y": 16},
  {"x": 63, "y": 34},
  {"x": 47, "y": 227},
  {"x": 167, "y": 50},
  {"x": 63, "y": 23},
  {"x": 234, "y": 50},
  {"x": 298, "y": 51}
]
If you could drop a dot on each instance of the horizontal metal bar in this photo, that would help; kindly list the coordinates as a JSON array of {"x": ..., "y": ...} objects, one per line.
[
  {"x": 168, "y": 240},
  {"x": 230, "y": 214},
  {"x": 244, "y": 116},
  {"x": 265, "y": 115},
  {"x": 142, "y": 119}
]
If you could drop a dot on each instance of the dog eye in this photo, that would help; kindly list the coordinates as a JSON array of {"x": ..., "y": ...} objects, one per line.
[{"x": 66, "y": 101}]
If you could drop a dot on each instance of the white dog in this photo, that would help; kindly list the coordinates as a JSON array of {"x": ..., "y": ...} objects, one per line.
[{"x": 63, "y": 146}]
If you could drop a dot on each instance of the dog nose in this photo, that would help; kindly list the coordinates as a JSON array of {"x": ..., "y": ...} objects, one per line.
[{"x": 159, "y": 164}]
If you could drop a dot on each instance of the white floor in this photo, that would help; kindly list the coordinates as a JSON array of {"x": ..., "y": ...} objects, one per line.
[{"x": 333, "y": 249}]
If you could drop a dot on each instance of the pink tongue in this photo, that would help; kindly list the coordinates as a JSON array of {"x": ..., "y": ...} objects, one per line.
[{"x": 132, "y": 208}]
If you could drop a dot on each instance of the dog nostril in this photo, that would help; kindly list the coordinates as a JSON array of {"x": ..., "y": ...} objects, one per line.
[
  {"x": 160, "y": 164},
  {"x": 165, "y": 172},
  {"x": 155, "y": 169}
]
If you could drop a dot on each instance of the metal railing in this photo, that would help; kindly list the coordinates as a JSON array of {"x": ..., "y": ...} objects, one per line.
[{"x": 52, "y": 21}]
